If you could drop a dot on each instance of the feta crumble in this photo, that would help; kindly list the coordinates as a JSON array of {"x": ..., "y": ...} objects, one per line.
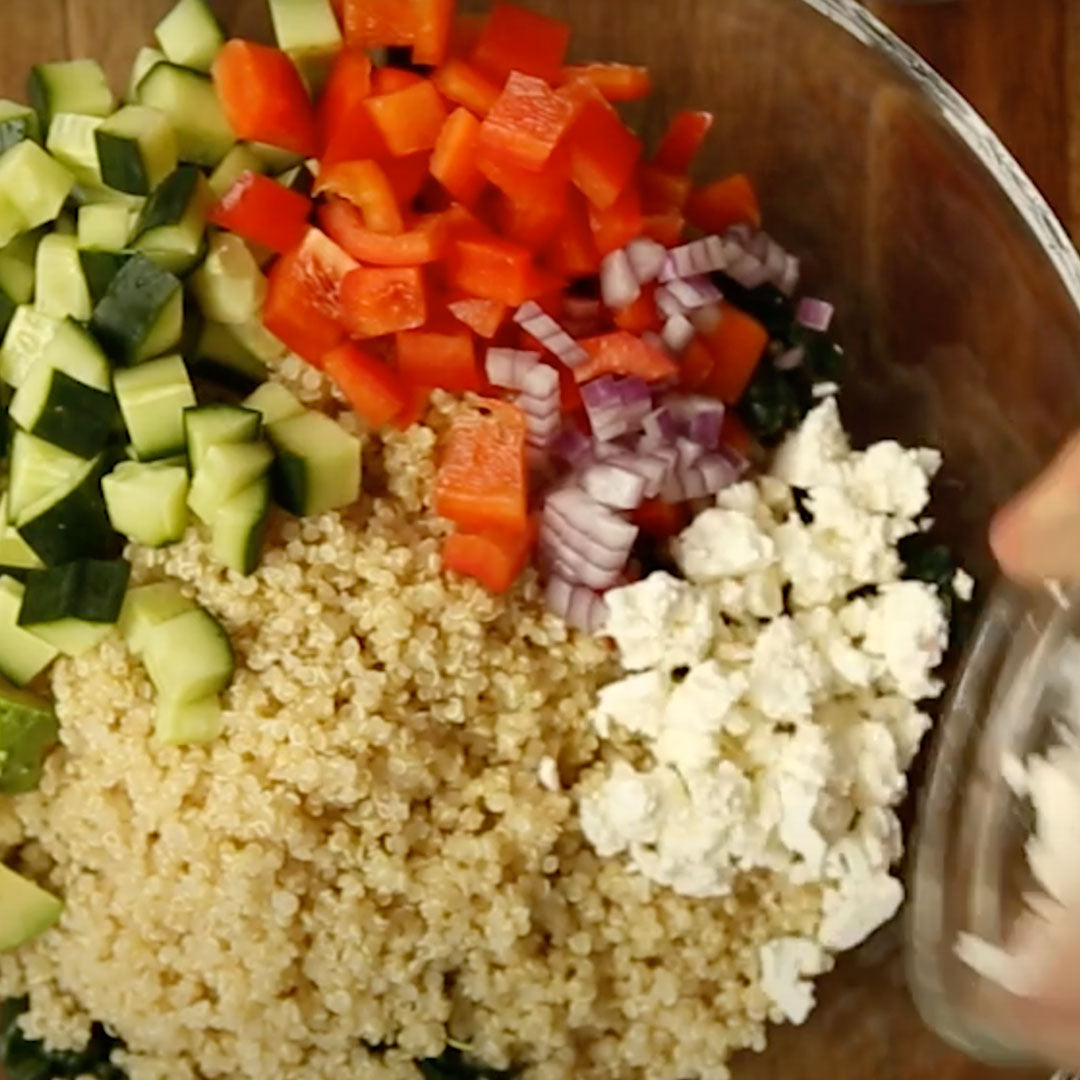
[{"x": 780, "y": 713}]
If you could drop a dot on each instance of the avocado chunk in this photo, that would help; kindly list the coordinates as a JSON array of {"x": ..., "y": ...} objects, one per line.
[
  {"x": 28, "y": 910},
  {"x": 28, "y": 731}
]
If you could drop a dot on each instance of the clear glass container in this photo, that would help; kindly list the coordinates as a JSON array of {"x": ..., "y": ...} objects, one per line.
[{"x": 958, "y": 295}]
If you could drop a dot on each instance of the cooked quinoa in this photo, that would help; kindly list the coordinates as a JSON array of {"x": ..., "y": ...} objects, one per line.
[{"x": 367, "y": 858}]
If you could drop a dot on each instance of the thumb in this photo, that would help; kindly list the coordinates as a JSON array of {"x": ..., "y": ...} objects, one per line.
[{"x": 1036, "y": 536}]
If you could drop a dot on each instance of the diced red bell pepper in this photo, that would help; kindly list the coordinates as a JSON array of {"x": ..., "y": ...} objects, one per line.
[
  {"x": 622, "y": 353},
  {"x": 407, "y": 176},
  {"x": 416, "y": 405},
  {"x": 263, "y": 211},
  {"x": 682, "y": 141},
  {"x": 365, "y": 185},
  {"x": 492, "y": 268},
  {"x": 723, "y": 203},
  {"x": 661, "y": 520},
  {"x": 465, "y": 31},
  {"x": 737, "y": 343},
  {"x": 603, "y": 152},
  {"x": 620, "y": 223},
  {"x": 300, "y": 307},
  {"x": 482, "y": 478},
  {"x": 642, "y": 314},
  {"x": 527, "y": 122},
  {"x": 370, "y": 24},
  {"x": 666, "y": 229},
  {"x": 663, "y": 191},
  {"x": 424, "y": 242},
  {"x": 442, "y": 358},
  {"x": 453, "y": 162},
  {"x": 617, "y": 82},
  {"x": 409, "y": 120},
  {"x": 431, "y": 41},
  {"x": 389, "y": 80},
  {"x": 547, "y": 185},
  {"x": 342, "y": 100},
  {"x": 695, "y": 365},
  {"x": 483, "y": 317},
  {"x": 354, "y": 138},
  {"x": 264, "y": 98},
  {"x": 377, "y": 300},
  {"x": 372, "y": 388},
  {"x": 495, "y": 559},
  {"x": 462, "y": 84},
  {"x": 531, "y": 224},
  {"x": 572, "y": 251},
  {"x": 514, "y": 39}
]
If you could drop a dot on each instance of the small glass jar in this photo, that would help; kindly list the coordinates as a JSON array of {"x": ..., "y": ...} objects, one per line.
[{"x": 969, "y": 871}]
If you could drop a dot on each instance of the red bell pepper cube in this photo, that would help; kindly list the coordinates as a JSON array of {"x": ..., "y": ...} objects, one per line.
[
  {"x": 264, "y": 98},
  {"x": 662, "y": 191},
  {"x": 603, "y": 152},
  {"x": 416, "y": 406},
  {"x": 623, "y": 353},
  {"x": 484, "y": 317},
  {"x": 407, "y": 175},
  {"x": 342, "y": 99},
  {"x": 737, "y": 343},
  {"x": 642, "y": 314},
  {"x": 442, "y": 358},
  {"x": 263, "y": 211},
  {"x": 297, "y": 308},
  {"x": 409, "y": 120},
  {"x": 620, "y": 223},
  {"x": 573, "y": 250},
  {"x": 431, "y": 39},
  {"x": 465, "y": 31},
  {"x": 492, "y": 268},
  {"x": 531, "y": 223},
  {"x": 378, "y": 300},
  {"x": 371, "y": 24},
  {"x": 424, "y": 242},
  {"x": 527, "y": 122},
  {"x": 372, "y": 388},
  {"x": 495, "y": 558},
  {"x": 617, "y": 82},
  {"x": 389, "y": 80},
  {"x": 365, "y": 185},
  {"x": 462, "y": 84},
  {"x": 514, "y": 39},
  {"x": 683, "y": 140},
  {"x": 695, "y": 365},
  {"x": 666, "y": 229},
  {"x": 661, "y": 520},
  {"x": 453, "y": 161},
  {"x": 723, "y": 203},
  {"x": 355, "y": 138},
  {"x": 548, "y": 185}
]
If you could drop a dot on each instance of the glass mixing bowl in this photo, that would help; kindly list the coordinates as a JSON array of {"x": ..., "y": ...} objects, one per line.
[{"x": 958, "y": 296}]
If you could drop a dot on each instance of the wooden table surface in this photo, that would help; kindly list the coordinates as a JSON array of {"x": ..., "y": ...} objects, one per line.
[{"x": 1017, "y": 61}]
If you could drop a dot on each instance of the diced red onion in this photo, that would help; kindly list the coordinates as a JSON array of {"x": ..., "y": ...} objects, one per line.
[
  {"x": 690, "y": 452},
  {"x": 579, "y": 607},
  {"x": 583, "y": 316},
  {"x": 535, "y": 321},
  {"x": 707, "y": 319},
  {"x": 660, "y": 427},
  {"x": 814, "y": 314},
  {"x": 790, "y": 359},
  {"x": 717, "y": 472},
  {"x": 705, "y": 429},
  {"x": 678, "y": 333},
  {"x": 508, "y": 368},
  {"x": 571, "y": 445},
  {"x": 789, "y": 279},
  {"x": 600, "y": 556},
  {"x": 647, "y": 258},
  {"x": 541, "y": 381},
  {"x": 749, "y": 271},
  {"x": 584, "y": 513},
  {"x": 616, "y": 406},
  {"x": 667, "y": 303},
  {"x": 654, "y": 463},
  {"x": 619, "y": 285},
  {"x": 571, "y": 564},
  {"x": 698, "y": 257},
  {"x": 743, "y": 235},
  {"x": 611, "y": 485},
  {"x": 672, "y": 490},
  {"x": 694, "y": 292}
]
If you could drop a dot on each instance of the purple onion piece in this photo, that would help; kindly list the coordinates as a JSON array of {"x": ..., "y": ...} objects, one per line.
[
  {"x": 587, "y": 515},
  {"x": 619, "y": 285},
  {"x": 647, "y": 258},
  {"x": 814, "y": 314},
  {"x": 678, "y": 333},
  {"x": 610, "y": 485},
  {"x": 507, "y": 368}
]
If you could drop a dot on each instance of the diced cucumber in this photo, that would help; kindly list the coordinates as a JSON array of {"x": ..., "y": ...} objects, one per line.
[
  {"x": 22, "y": 655},
  {"x": 70, "y": 522},
  {"x": 74, "y": 606},
  {"x": 225, "y": 470},
  {"x": 147, "y": 606},
  {"x": 34, "y": 183},
  {"x": 17, "y": 122},
  {"x": 229, "y": 285},
  {"x": 189, "y": 657},
  {"x": 218, "y": 425},
  {"x": 136, "y": 149},
  {"x": 152, "y": 399},
  {"x": 24, "y": 343},
  {"x": 99, "y": 268},
  {"x": 308, "y": 31},
  {"x": 72, "y": 349},
  {"x": 274, "y": 158},
  {"x": 239, "y": 160},
  {"x": 63, "y": 411},
  {"x": 188, "y": 723},
  {"x": 318, "y": 464},
  {"x": 69, "y": 86},
  {"x": 259, "y": 341},
  {"x": 141, "y": 314},
  {"x": 37, "y": 468},
  {"x": 147, "y": 503},
  {"x": 190, "y": 35},
  {"x": 145, "y": 60},
  {"x": 275, "y": 402},
  {"x": 170, "y": 462},
  {"x": 191, "y": 104},
  {"x": 15, "y": 553},
  {"x": 239, "y": 527},
  {"x": 220, "y": 357},
  {"x": 104, "y": 227},
  {"x": 28, "y": 910},
  {"x": 299, "y": 179},
  {"x": 12, "y": 222},
  {"x": 17, "y": 275},
  {"x": 172, "y": 226},
  {"x": 71, "y": 141},
  {"x": 61, "y": 288},
  {"x": 28, "y": 731}
]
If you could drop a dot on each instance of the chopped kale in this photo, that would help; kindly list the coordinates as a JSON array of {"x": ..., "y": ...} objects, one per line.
[
  {"x": 452, "y": 1064},
  {"x": 27, "y": 1059}
]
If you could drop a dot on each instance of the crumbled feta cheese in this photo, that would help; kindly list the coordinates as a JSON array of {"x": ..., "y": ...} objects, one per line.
[
  {"x": 813, "y": 454},
  {"x": 547, "y": 772},
  {"x": 628, "y": 809},
  {"x": 963, "y": 585},
  {"x": 636, "y": 703},
  {"x": 908, "y": 629},
  {"x": 890, "y": 479},
  {"x": 852, "y": 911},
  {"x": 659, "y": 622},
  {"x": 786, "y": 673},
  {"x": 787, "y": 966},
  {"x": 723, "y": 543}
]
